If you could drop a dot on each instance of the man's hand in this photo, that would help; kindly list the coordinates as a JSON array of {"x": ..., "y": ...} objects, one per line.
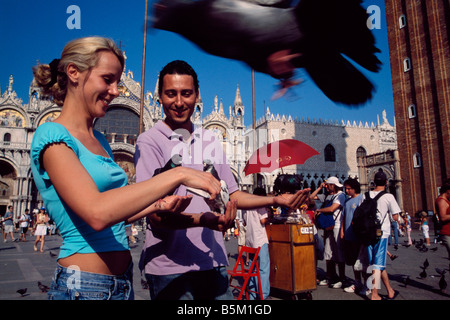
[{"x": 292, "y": 201}]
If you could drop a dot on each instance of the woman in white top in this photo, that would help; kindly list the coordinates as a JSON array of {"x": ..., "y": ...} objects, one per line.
[{"x": 40, "y": 229}]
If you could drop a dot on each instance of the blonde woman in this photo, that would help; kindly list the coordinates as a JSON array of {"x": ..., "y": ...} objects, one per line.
[{"x": 84, "y": 190}]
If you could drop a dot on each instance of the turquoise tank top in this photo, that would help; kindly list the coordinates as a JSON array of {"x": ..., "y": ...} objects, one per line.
[{"x": 78, "y": 236}]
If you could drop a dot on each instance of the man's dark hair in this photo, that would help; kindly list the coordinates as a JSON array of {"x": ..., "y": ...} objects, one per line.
[
  {"x": 287, "y": 183},
  {"x": 445, "y": 186},
  {"x": 380, "y": 178},
  {"x": 354, "y": 184},
  {"x": 177, "y": 67}
]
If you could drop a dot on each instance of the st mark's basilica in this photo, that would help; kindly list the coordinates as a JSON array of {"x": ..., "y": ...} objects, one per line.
[{"x": 346, "y": 149}]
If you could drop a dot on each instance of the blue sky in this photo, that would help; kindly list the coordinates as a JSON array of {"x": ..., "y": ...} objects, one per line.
[{"x": 32, "y": 31}]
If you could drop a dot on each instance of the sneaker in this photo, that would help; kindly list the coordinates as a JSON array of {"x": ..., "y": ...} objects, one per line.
[
  {"x": 364, "y": 291},
  {"x": 350, "y": 289},
  {"x": 337, "y": 285},
  {"x": 324, "y": 282}
]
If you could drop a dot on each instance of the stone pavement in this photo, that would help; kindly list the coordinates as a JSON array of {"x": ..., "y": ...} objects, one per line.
[{"x": 22, "y": 267}]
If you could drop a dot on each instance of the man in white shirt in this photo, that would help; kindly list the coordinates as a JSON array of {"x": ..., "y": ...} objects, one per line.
[
  {"x": 377, "y": 253},
  {"x": 24, "y": 224},
  {"x": 334, "y": 249}
]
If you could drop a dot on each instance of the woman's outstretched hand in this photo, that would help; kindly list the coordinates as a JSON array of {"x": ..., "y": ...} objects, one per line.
[
  {"x": 200, "y": 180},
  {"x": 292, "y": 201},
  {"x": 173, "y": 203}
]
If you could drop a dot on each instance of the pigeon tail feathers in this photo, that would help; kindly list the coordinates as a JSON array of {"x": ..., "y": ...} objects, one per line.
[
  {"x": 340, "y": 26},
  {"x": 338, "y": 79},
  {"x": 335, "y": 30}
]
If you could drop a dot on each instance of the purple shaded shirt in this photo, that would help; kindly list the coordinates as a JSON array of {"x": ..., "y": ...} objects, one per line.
[{"x": 169, "y": 251}]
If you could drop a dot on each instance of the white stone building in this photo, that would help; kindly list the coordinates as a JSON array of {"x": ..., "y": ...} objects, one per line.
[{"x": 339, "y": 145}]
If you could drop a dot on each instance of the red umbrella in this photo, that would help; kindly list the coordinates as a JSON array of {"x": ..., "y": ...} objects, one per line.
[{"x": 279, "y": 154}]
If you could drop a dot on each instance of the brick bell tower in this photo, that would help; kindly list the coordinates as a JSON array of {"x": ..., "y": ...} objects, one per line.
[{"x": 418, "y": 33}]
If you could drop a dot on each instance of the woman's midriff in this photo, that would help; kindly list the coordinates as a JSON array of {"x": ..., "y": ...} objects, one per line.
[{"x": 111, "y": 263}]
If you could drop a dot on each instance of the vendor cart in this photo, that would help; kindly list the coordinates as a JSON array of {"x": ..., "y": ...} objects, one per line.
[{"x": 292, "y": 258}]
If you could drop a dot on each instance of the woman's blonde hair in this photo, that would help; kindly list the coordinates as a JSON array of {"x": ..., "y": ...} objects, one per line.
[{"x": 83, "y": 53}]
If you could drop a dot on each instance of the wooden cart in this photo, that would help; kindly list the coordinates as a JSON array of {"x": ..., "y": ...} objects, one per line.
[{"x": 292, "y": 258}]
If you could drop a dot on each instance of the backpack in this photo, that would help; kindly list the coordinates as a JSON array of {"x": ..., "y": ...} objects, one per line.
[
  {"x": 365, "y": 223},
  {"x": 326, "y": 221}
]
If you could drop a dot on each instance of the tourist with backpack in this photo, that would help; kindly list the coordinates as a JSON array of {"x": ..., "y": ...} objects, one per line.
[
  {"x": 334, "y": 250},
  {"x": 355, "y": 252},
  {"x": 377, "y": 252}
]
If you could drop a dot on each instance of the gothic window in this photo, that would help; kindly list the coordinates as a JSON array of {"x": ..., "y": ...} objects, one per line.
[
  {"x": 330, "y": 153},
  {"x": 7, "y": 138},
  {"x": 260, "y": 181},
  {"x": 239, "y": 116},
  {"x": 361, "y": 152}
]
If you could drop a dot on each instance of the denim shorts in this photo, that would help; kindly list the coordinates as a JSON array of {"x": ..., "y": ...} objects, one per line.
[
  {"x": 72, "y": 284},
  {"x": 446, "y": 242}
]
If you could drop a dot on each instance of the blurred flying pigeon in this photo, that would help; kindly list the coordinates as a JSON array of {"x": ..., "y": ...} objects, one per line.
[{"x": 276, "y": 37}]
